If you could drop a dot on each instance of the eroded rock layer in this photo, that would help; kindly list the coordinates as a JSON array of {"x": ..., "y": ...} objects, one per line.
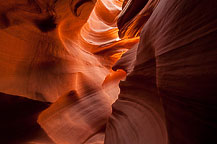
[{"x": 61, "y": 62}]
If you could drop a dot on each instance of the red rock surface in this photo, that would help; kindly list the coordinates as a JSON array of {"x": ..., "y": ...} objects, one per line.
[{"x": 61, "y": 62}]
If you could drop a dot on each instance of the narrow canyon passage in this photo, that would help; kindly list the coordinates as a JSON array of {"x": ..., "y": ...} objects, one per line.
[{"x": 108, "y": 71}]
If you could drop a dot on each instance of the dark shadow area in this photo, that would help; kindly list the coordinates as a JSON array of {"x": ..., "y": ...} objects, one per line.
[
  {"x": 18, "y": 122},
  {"x": 47, "y": 24}
]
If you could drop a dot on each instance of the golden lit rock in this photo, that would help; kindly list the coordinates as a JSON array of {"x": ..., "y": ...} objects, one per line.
[{"x": 108, "y": 71}]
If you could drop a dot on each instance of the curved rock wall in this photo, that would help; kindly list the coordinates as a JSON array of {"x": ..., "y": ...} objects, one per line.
[{"x": 70, "y": 55}]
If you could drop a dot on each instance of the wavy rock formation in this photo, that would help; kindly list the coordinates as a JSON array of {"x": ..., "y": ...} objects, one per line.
[
  {"x": 51, "y": 41},
  {"x": 108, "y": 71},
  {"x": 175, "y": 66},
  {"x": 133, "y": 17}
]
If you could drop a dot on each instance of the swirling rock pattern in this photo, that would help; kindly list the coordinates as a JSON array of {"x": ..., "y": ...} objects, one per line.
[
  {"x": 61, "y": 62},
  {"x": 175, "y": 67}
]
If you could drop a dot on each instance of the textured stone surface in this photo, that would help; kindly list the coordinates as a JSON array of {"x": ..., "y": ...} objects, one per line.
[
  {"x": 175, "y": 66},
  {"x": 61, "y": 62}
]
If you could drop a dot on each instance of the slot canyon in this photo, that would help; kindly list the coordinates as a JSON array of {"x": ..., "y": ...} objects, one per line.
[{"x": 108, "y": 71}]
